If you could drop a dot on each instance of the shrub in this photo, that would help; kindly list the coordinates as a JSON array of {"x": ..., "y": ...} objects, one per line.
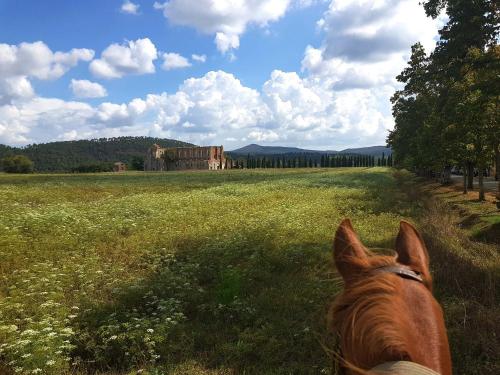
[
  {"x": 93, "y": 168},
  {"x": 17, "y": 164}
]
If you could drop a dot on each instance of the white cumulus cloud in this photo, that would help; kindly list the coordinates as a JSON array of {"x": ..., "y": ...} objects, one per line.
[
  {"x": 21, "y": 63},
  {"x": 263, "y": 136},
  {"x": 174, "y": 61},
  {"x": 130, "y": 8},
  {"x": 87, "y": 89},
  {"x": 227, "y": 20},
  {"x": 132, "y": 57},
  {"x": 38, "y": 61},
  {"x": 199, "y": 58},
  {"x": 367, "y": 43},
  {"x": 289, "y": 110}
]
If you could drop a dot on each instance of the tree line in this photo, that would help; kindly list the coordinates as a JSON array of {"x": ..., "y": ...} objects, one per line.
[
  {"x": 447, "y": 111},
  {"x": 304, "y": 161},
  {"x": 95, "y": 155}
]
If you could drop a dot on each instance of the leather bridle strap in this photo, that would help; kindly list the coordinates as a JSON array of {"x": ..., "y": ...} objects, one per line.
[{"x": 401, "y": 271}]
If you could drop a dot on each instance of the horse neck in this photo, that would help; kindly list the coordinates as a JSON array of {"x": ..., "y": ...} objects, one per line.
[
  {"x": 388, "y": 318},
  {"x": 425, "y": 328}
]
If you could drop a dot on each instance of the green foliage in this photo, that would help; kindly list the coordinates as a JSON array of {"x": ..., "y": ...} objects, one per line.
[
  {"x": 447, "y": 113},
  {"x": 16, "y": 164},
  {"x": 93, "y": 168},
  {"x": 313, "y": 160},
  {"x": 137, "y": 163},
  {"x": 35, "y": 320}
]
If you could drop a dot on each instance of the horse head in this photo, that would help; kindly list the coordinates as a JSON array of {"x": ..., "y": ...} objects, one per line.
[{"x": 386, "y": 312}]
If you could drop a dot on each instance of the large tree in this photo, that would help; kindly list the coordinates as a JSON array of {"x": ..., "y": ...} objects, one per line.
[
  {"x": 17, "y": 164},
  {"x": 447, "y": 111}
]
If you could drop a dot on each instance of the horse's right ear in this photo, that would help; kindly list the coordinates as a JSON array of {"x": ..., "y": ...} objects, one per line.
[
  {"x": 348, "y": 251},
  {"x": 412, "y": 252}
]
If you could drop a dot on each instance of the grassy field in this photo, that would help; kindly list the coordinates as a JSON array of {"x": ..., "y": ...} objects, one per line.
[{"x": 213, "y": 273}]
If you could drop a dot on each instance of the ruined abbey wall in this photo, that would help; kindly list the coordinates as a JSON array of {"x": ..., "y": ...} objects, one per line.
[{"x": 182, "y": 158}]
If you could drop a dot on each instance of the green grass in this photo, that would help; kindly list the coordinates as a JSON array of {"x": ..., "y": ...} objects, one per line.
[{"x": 183, "y": 273}]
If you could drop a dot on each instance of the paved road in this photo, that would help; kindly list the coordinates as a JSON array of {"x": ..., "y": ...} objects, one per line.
[{"x": 489, "y": 183}]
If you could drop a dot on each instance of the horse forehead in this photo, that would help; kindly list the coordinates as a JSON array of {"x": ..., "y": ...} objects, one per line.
[
  {"x": 424, "y": 320},
  {"x": 418, "y": 297}
]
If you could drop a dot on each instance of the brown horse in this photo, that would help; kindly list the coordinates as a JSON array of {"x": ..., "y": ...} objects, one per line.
[{"x": 386, "y": 318}]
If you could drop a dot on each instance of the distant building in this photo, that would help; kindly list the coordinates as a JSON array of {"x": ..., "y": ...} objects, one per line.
[
  {"x": 119, "y": 167},
  {"x": 182, "y": 158}
]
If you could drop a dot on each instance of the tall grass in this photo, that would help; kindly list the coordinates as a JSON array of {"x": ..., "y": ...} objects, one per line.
[{"x": 466, "y": 278}]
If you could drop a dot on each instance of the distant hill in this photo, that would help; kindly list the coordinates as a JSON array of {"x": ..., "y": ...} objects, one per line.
[
  {"x": 256, "y": 150},
  {"x": 65, "y": 156},
  {"x": 372, "y": 150}
]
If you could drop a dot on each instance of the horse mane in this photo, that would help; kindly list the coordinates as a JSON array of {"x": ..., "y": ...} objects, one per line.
[{"x": 365, "y": 315}]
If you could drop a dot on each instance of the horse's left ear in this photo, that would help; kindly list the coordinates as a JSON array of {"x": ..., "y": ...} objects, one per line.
[
  {"x": 412, "y": 252},
  {"x": 349, "y": 253}
]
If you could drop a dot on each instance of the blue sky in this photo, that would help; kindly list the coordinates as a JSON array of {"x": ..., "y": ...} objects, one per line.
[{"x": 309, "y": 73}]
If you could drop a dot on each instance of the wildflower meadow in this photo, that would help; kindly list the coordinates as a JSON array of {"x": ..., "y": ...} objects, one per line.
[{"x": 182, "y": 272}]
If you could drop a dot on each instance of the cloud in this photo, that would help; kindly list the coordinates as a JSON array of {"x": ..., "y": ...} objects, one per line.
[
  {"x": 367, "y": 30},
  {"x": 262, "y": 136},
  {"x": 40, "y": 119},
  {"x": 226, "y": 20},
  {"x": 200, "y": 110},
  {"x": 129, "y": 7},
  {"x": 86, "y": 89},
  {"x": 174, "y": 61},
  {"x": 367, "y": 43},
  {"x": 21, "y": 63},
  {"x": 288, "y": 110},
  {"x": 307, "y": 111},
  {"x": 199, "y": 58},
  {"x": 340, "y": 98},
  {"x": 14, "y": 88},
  {"x": 217, "y": 101},
  {"x": 133, "y": 57},
  {"x": 225, "y": 42},
  {"x": 36, "y": 60}
]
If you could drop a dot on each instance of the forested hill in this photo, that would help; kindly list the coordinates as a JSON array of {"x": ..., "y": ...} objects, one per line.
[
  {"x": 258, "y": 150},
  {"x": 68, "y": 155}
]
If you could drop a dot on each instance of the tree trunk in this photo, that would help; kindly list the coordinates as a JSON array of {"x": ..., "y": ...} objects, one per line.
[
  {"x": 481, "y": 185},
  {"x": 446, "y": 175},
  {"x": 497, "y": 173},
  {"x": 470, "y": 175},
  {"x": 498, "y": 194},
  {"x": 497, "y": 163},
  {"x": 465, "y": 179}
]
